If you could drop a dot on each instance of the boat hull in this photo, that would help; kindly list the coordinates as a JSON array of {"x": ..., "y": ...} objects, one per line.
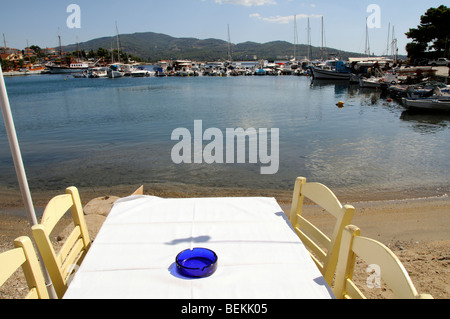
[
  {"x": 115, "y": 74},
  {"x": 364, "y": 83},
  {"x": 65, "y": 70},
  {"x": 330, "y": 75},
  {"x": 427, "y": 104}
]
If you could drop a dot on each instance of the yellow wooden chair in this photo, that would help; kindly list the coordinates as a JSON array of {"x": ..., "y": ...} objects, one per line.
[
  {"x": 324, "y": 250},
  {"x": 372, "y": 252},
  {"x": 60, "y": 266},
  {"x": 24, "y": 255}
]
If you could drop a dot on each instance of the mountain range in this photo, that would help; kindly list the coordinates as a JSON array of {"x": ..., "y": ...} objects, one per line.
[{"x": 152, "y": 47}]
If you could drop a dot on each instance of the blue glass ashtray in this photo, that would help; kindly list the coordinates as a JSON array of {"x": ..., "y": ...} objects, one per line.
[{"x": 197, "y": 262}]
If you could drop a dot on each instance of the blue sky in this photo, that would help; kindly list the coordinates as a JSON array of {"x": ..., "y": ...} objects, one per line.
[{"x": 260, "y": 21}]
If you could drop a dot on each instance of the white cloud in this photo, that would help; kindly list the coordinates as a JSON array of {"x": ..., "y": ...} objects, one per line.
[
  {"x": 283, "y": 19},
  {"x": 247, "y": 3}
]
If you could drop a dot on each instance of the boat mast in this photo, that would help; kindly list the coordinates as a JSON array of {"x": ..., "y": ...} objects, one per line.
[
  {"x": 4, "y": 41},
  {"x": 60, "y": 46},
  {"x": 295, "y": 37},
  {"x": 322, "y": 40},
  {"x": 112, "y": 53},
  {"x": 388, "y": 38},
  {"x": 367, "y": 50},
  {"x": 394, "y": 46},
  {"x": 309, "y": 41},
  {"x": 118, "y": 46},
  {"x": 230, "y": 57},
  {"x": 78, "y": 50},
  {"x": 28, "y": 52}
]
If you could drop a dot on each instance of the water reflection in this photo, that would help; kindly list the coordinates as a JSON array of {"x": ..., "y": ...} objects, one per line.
[
  {"x": 426, "y": 123},
  {"x": 340, "y": 87}
]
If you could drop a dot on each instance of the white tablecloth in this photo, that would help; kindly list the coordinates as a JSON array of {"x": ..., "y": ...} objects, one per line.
[{"x": 260, "y": 256}]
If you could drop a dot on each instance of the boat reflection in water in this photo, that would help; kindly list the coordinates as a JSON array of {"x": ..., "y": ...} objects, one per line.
[{"x": 426, "y": 122}]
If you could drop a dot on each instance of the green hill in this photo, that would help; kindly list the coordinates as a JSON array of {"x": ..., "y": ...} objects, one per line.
[{"x": 153, "y": 47}]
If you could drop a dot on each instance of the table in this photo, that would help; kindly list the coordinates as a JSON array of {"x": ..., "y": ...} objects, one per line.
[{"x": 260, "y": 256}]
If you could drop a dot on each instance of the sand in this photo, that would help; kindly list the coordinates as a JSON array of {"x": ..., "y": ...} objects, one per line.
[{"x": 417, "y": 230}]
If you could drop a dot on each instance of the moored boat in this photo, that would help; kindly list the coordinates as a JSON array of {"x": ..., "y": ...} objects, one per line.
[
  {"x": 438, "y": 103},
  {"x": 159, "y": 71},
  {"x": 421, "y": 90},
  {"x": 260, "y": 71},
  {"x": 332, "y": 70},
  {"x": 98, "y": 73},
  {"x": 115, "y": 72},
  {"x": 76, "y": 67},
  {"x": 379, "y": 81},
  {"x": 139, "y": 72}
]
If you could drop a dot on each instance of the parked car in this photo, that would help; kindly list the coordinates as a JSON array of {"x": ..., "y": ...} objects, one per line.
[{"x": 439, "y": 62}]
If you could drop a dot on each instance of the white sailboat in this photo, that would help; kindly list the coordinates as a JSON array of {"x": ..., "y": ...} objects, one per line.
[{"x": 115, "y": 70}]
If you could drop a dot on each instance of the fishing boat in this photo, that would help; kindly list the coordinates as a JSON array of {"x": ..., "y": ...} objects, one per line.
[
  {"x": 140, "y": 72},
  {"x": 75, "y": 67},
  {"x": 159, "y": 71},
  {"x": 133, "y": 71},
  {"x": 421, "y": 90},
  {"x": 332, "y": 70},
  {"x": 98, "y": 72},
  {"x": 115, "y": 72},
  {"x": 379, "y": 81},
  {"x": 260, "y": 71},
  {"x": 30, "y": 69},
  {"x": 428, "y": 104}
]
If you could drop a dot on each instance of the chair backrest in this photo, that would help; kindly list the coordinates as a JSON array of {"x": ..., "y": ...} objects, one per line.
[
  {"x": 61, "y": 265},
  {"x": 24, "y": 255},
  {"x": 324, "y": 250},
  {"x": 377, "y": 255}
]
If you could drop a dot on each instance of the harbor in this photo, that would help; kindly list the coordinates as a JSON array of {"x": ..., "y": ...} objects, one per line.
[{"x": 407, "y": 83}]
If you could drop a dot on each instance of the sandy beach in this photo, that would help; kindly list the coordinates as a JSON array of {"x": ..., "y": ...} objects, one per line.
[{"x": 416, "y": 229}]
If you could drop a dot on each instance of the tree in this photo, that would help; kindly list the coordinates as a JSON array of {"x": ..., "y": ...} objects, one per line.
[
  {"x": 431, "y": 37},
  {"x": 103, "y": 53},
  {"x": 7, "y": 65}
]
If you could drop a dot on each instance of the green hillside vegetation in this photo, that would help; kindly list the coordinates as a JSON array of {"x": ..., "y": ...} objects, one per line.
[{"x": 152, "y": 47}]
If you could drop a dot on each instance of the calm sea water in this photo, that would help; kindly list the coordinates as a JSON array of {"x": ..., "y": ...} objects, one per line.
[{"x": 105, "y": 132}]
